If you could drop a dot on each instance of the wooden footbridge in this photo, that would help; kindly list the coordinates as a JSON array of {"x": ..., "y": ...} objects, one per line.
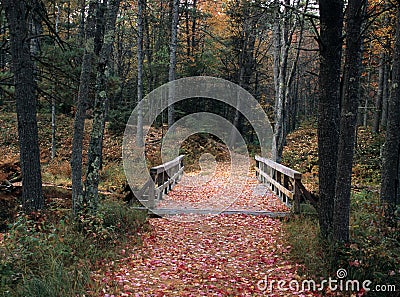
[{"x": 273, "y": 179}]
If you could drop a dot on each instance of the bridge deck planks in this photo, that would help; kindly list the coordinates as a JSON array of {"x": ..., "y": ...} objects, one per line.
[{"x": 186, "y": 211}]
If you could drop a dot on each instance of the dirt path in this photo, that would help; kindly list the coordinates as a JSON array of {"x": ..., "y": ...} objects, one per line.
[{"x": 222, "y": 255}]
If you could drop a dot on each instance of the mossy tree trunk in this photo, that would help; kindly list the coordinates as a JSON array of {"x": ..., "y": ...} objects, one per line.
[
  {"x": 79, "y": 122},
  {"x": 91, "y": 198}
]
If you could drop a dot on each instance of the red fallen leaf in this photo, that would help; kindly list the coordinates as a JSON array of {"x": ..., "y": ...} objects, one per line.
[{"x": 226, "y": 255}]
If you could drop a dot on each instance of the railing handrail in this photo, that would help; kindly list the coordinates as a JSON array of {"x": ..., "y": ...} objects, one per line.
[
  {"x": 166, "y": 166},
  {"x": 162, "y": 179},
  {"x": 281, "y": 180},
  {"x": 279, "y": 167}
]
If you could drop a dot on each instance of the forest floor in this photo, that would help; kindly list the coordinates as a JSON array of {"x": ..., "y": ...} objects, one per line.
[{"x": 227, "y": 255}]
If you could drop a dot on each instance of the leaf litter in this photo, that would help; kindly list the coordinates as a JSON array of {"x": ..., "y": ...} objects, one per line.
[{"x": 223, "y": 255}]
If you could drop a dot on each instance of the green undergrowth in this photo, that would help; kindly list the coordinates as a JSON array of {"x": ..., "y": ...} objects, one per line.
[
  {"x": 48, "y": 254},
  {"x": 373, "y": 252}
]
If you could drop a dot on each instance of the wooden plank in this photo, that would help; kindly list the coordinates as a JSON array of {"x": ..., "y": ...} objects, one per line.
[
  {"x": 168, "y": 165},
  {"x": 276, "y": 184},
  {"x": 195, "y": 211},
  {"x": 279, "y": 167}
]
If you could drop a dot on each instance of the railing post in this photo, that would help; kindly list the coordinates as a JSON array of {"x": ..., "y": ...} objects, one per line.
[
  {"x": 286, "y": 185},
  {"x": 283, "y": 181},
  {"x": 296, "y": 196},
  {"x": 152, "y": 189},
  {"x": 181, "y": 165}
]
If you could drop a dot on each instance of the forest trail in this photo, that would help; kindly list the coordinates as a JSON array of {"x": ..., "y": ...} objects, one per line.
[
  {"x": 220, "y": 191},
  {"x": 194, "y": 255}
]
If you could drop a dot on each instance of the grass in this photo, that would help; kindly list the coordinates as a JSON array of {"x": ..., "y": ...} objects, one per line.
[
  {"x": 373, "y": 252},
  {"x": 51, "y": 254}
]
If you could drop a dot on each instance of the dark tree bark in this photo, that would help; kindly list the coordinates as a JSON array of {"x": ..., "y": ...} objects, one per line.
[
  {"x": 149, "y": 45},
  {"x": 246, "y": 56},
  {"x": 172, "y": 58},
  {"x": 331, "y": 23},
  {"x": 391, "y": 151},
  {"x": 194, "y": 27},
  {"x": 140, "y": 58},
  {"x": 379, "y": 97},
  {"x": 348, "y": 120},
  {"x": 91, "y": 198},
  {"x": 385, "y": 95},
  {"x": 187, "y": 28},
  {"x": 53, "y": 99},
  {"x": 26, "y": 102},
  {"x": 81, "y": 104}
]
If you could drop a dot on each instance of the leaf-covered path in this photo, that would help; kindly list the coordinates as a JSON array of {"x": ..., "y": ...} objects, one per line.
[{"x": 223, "y": 255}]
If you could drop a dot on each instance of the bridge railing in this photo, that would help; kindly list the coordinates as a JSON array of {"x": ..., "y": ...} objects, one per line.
[
  {"x": 162, "y": 179},
  {"x": 281, "y": 180}
]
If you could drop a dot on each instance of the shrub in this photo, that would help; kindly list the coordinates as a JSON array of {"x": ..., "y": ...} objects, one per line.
[
  {"x": 45, "y": 255},
  {"x": 373, "y": 252},
  {"x": 112, "y": 222}
]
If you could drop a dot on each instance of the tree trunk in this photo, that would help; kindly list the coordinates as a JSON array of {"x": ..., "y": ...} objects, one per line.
[
  {"x": 348, "y": 120},
  {"x": 172, "y": 59},
  {"x": 139, "y": 134},
  {"x": 187, "y": 33},
  {"x": 53, "y": 99},
  {"x": 91, "y": 198},
  {"x": 277, "y": 49},
  {"x": 280, "y": 61},
  {"x": 363, "y": 117},
  {"x": 246, "y": 62},
  {"x": 26, "y": 102},
  {"x": 331, "y": 20},
  {"x": 194, "y": 27},
  {"x": 80, "y": 114},
  {"x": 391, "y": 150},
  {"x": 379, "y": 97},
  {"x": 290, "y": 77},
  {"x": 385, "y": 95}
]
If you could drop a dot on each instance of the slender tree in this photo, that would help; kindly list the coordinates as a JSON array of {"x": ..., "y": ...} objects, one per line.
[
  {"x": 172, "y": 58},
  {"x": 385, "y": 95},
  {"x": 140, "y": 58},
  {"x": 53, "y": 99},
  {"x": 280, "y": 86},
  {"x": 284, "y": 30},
  {"x": 26, "y": 100},
  {"x": 379, "y": 97},
  {"x": 79, "y": 122},
  {"x": 391, "y": 151}
]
